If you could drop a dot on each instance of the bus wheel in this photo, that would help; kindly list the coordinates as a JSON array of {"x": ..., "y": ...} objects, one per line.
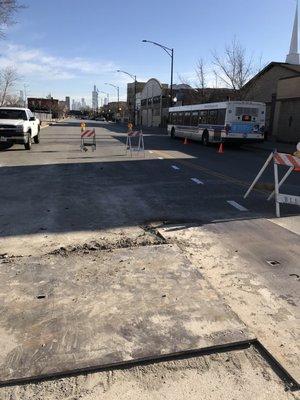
[
  {"x": 205, "y": 139},
  {"x": 173, "y": 133}
]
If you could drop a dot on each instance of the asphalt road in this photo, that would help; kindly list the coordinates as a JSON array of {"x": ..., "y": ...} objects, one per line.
[{"x": 57, "y": 188}]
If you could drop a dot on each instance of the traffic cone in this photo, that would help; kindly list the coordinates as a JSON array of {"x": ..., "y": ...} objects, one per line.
[
  {"x": 221, "y": 149},
  {"x": 185, "y": 141}
]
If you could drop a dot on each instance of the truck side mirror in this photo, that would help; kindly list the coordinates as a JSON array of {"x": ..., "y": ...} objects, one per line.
[{"x": 32, "y": 119}]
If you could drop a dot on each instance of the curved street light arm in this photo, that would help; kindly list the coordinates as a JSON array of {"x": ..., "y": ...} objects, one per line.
[
  {"x": 168, "y": 50},
  {"x": 127, "y": 73}
]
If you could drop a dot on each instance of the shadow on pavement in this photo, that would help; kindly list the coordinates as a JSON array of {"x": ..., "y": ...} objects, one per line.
[{"x": 100, "y": 195}]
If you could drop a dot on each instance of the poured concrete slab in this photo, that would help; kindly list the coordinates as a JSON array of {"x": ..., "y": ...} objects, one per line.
[{"x": 79, "y": 310}]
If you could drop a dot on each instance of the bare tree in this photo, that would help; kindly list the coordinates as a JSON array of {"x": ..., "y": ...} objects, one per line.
[
  {"x": 14, "y": 101},
  {"x": 235, "y": 68},
  {"x": 8, "y": 9},
  {"x": 8, "y": 77},
  {"x": 201, "y": 74}
]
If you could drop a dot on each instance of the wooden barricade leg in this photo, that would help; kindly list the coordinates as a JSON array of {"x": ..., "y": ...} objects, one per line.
[
  {"x": 276, "y": 190},
  {"x": 127, "y": 144},
  {"x": 259, "y": 174},
  {"x": 282, "y": 181}
]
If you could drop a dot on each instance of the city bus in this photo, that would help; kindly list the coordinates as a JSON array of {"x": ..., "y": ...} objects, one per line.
[{"x": 230, "y": 121}]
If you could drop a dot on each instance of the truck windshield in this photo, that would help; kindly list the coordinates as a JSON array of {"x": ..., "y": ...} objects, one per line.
[{"x": 13, "y": 114}]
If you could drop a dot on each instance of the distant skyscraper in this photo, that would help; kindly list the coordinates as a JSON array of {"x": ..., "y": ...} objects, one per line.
[
  {"x": 68, "y": 102},
  {"x": 83, "y": 103},
  {"x": 95, "y": 98}
]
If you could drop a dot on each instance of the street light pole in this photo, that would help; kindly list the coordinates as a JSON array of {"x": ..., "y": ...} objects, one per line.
[
  {"x": 134, "y": 78},
  {"x": 118, "y": 92},
  {"x": 170, "y": 53}
]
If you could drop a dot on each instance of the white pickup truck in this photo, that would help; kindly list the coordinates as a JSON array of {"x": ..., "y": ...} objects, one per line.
[{"x": 19, "y": 125}]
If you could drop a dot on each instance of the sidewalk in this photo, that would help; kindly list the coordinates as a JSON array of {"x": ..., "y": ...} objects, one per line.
[{"x": 271, "y": 144}]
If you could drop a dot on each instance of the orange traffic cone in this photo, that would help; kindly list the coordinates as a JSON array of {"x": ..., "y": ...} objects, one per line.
[
  {"x": 185, "y": 141},
  {"x": 221, "y": 149}
]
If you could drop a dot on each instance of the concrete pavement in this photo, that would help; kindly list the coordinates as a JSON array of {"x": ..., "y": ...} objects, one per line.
[{"x": 56, "y": 198}]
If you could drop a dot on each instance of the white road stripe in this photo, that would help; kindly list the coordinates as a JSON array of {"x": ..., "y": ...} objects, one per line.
[
  {"x": 236, "y": 205},
  {"x": 175, "y": 167},
  {"x": 196, "y": 180},
  {"x": 150, "y": 151},
  {"x": 160, "y": 158}
]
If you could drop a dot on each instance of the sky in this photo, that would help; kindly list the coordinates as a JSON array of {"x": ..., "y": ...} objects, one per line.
[{"x": 64, "y": 47}]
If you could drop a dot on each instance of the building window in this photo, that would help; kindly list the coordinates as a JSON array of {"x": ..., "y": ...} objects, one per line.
[
  {"x": 150, "y": 102},
  {"x": 156, "y": 99},
  {"x": 143, "y": 102}
]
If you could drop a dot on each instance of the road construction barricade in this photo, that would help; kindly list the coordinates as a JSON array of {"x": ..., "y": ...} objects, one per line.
[
  {"x": 135, "y": 142},
  {"x": 280, "y": 159},
  {"x": 88, "y": 138}
]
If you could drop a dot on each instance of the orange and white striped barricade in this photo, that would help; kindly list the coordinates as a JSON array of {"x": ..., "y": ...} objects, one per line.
[
  {"x": 135, "y": 142},
  {"x": 82, "y": 126},
  {"x": 88, "y": 138},
  {"x": 280, "y": 159}
]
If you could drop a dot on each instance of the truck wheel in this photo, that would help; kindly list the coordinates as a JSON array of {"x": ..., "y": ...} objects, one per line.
[
  {"x": 27, "y": 145},
  {"x": 36, "y": 138}
]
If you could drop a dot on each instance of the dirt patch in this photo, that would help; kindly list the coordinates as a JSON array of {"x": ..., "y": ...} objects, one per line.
[
  {"x": 239, "y": 375},
  {"x": 149, "y": 238}
]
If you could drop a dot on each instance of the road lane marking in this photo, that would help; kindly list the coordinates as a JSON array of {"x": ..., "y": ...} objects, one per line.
[
  {"x": 150, "y": 151},
  {"x": 237, "y": 205},
  {"x": 196, "y": 180},
  {"x": 160, "y": 158},
  {"x": 175, "y": 167},
  {"x": 210, "y": 172}
]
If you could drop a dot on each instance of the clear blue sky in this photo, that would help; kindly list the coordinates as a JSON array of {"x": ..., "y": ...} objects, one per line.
[{"x": 66, "y": 46}]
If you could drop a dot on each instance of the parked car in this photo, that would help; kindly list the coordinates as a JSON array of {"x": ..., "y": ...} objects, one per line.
[{"x": 19, "y": 125}]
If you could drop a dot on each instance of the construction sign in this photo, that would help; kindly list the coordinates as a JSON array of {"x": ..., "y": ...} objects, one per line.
[
  {"x": 280, "y": 159},
  {"x": 82, "y": 126}
]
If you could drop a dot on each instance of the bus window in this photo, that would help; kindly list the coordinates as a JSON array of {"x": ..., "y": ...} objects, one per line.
[
  {"x": 187, "y": 118},
  {"x": 174, "y": 120},
  {"x": 194, "y": 119},
  {"x": 221, "y": 116},
  {"x": 203, "y": 117},
  {"x": 212, "y": 117},
  {"x": 180, "y": 118}
]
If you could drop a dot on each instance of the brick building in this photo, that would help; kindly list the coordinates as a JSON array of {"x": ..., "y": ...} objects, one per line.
[
  {"x": 263, "y": 87},
  {"x": 133, "y": 88}
]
